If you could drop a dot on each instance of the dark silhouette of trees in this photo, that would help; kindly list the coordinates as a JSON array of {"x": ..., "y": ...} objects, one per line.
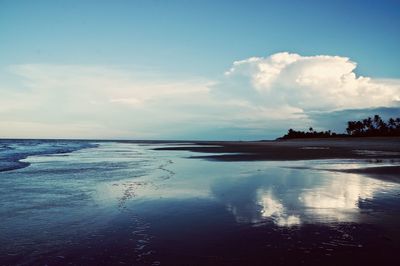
[
  {"x": 374, "y": 127},
  {"x": 293, "y": 134},
  {"x": 368, "y": 127}
]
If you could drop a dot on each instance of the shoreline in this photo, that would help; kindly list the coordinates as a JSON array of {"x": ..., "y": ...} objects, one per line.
[
  {"x": 373, "y": 150},
  {"x": 299, "y": 149}
]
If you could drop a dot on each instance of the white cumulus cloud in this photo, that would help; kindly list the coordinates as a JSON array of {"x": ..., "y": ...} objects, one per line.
[{"x": 320, "y": 82}]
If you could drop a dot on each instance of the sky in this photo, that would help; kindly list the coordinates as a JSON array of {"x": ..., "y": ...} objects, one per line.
[{"x": 237, "y": 70}]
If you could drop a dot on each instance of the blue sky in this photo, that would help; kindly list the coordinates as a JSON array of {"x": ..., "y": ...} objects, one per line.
[{"x": 157, "y": 49}]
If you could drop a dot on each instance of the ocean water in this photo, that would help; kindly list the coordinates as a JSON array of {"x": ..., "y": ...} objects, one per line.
[{"x": 124, "y": 203}]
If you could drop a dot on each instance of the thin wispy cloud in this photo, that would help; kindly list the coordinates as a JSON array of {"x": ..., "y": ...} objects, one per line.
[
  {"x": 121, "y": 100},
  {"x": 255, "y": 96}
]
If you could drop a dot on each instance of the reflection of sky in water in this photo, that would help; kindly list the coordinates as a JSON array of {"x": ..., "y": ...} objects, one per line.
[
  {"x": 73, "y": 190},
  {"x": 272, "y": 208},
  {"x": 286, "y": 193},
  {"x": 292, "y": 196},
  {"x": 257, "y": 192}
]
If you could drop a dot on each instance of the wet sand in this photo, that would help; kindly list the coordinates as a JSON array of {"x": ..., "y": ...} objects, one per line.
[
  {"x": 373, "y": 150},
  {"x": 123, "y": 203}
]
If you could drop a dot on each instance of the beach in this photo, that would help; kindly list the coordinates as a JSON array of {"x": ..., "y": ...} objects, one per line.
[
  {"x": 300, "y": 202},
  {"x": 191, "y": 133},
  {"x": 373, "y": 150},
  {"x": 298, "y": 149}
]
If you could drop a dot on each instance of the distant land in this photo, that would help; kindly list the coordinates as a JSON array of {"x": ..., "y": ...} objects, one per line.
[{"x": 368, "y": 127}]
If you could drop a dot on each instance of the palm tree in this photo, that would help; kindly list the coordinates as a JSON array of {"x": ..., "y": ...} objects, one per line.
[
  {"x": 377, "y": 122},
  {"x": 391, "y": 123},
  {"x": 350, "y": 127},
  {"x": 397, "y": 123},
  {"x": 359, "y": 128}
]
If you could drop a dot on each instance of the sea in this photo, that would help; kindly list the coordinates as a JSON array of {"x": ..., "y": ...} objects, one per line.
[{"x": 75, "y": 202}]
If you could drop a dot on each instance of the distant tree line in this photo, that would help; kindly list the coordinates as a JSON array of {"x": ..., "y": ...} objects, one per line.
[{"x": 368, "y": 127}]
